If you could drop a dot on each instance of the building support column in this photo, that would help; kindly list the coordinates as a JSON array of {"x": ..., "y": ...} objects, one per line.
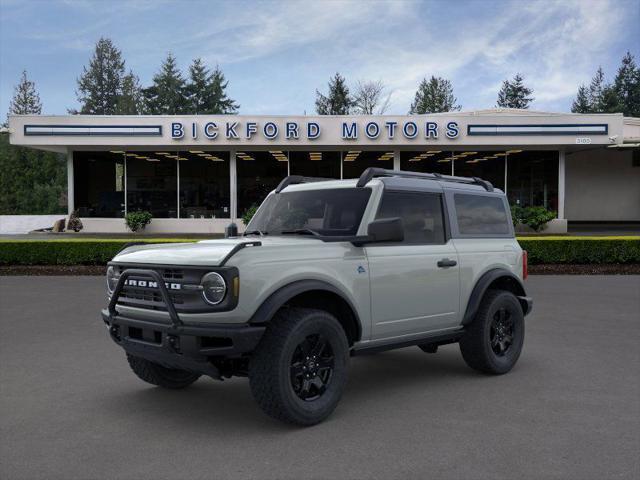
[
  {"x": 561, "y": 182},
  {"x": 70, "y": 183},
  {"x": 233, "y": 186},
  {"x": 396, "y": 159}
]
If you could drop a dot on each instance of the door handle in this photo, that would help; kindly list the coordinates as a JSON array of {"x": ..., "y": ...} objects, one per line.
[{"x": 446, "y": 263}]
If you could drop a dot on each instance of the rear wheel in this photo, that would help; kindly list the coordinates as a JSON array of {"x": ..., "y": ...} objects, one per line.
[
  {"x": 156, "y": 374},
  {"x": 494, "y": 339},
  {"x": 299, "y": 370}
]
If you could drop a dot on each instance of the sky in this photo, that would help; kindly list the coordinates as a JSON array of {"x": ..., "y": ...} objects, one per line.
[{"x": 276, "y": 54}]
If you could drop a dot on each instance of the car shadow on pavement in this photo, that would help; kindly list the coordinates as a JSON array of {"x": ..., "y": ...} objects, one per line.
[{"x": 229, "y": 405}]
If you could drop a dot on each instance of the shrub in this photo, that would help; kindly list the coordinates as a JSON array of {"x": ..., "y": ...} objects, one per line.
[
  {"x": 582, "y": 250},
  {"x": 74, "y": 223},
  {"x": 249, "y": 213},
  {"x": 534, "y": 217},
  {"x": 137, "y": 220},
  {"x": 537, "y": 217},
  {"x": 74, "y": 251}
]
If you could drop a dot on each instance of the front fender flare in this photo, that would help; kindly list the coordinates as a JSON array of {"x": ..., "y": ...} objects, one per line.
[{"x": 277, "y": 299}]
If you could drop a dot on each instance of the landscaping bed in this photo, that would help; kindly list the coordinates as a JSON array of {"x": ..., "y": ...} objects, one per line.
[{"x": 547, "y": 255}]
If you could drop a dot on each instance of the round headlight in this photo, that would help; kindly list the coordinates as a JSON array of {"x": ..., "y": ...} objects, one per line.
[
  {"x": 112, "y": 279},
  {"x": 214, "y": 288}
]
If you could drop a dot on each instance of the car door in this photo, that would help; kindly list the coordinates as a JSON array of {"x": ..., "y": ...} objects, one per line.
[{"x": 415, "y": 283}]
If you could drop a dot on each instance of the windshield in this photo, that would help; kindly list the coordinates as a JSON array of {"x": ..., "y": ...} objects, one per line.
[{"x": 336, "y": 211}]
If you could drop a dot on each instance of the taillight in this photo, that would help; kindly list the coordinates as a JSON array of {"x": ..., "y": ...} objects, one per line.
[{"x": 525, "y": 265}]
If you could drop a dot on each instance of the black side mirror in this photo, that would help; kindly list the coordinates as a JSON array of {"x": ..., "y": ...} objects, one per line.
[{"x": 385, "y": 230}]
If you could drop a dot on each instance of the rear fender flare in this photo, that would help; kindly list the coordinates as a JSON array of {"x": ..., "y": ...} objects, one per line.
[{"x": 508, "y": 280}]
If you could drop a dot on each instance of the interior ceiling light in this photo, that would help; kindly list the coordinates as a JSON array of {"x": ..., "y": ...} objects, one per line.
[
  {"x": 152, "y": 160},
  {"x": 196, "y": 151},
  {"x": 162, "y": 153},
  {"x": 434, "y": 151},
  {"x": 444, "y": 160},
  {"x": 470, "y": 153},
  {"x": 131, "y": 154},
  {"x": 141, "y": 157},
  {"x": 514, "y": 151},
  {"x": 116, "y": 151},
  {"x": 500, "y": 154}
]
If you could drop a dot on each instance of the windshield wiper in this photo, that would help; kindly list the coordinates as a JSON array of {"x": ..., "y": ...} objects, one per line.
[
  {"x": 255, "y": 232},
  {"x": 300, "y": 231}
]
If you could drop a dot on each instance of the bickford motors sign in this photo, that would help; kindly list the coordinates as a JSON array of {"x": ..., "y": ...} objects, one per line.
[{"x": 294, "y": 130}]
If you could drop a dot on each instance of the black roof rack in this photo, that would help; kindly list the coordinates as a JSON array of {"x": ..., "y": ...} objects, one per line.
[
  {"x": 373, "y": 172},
  {"x": 296, "y": 179}
]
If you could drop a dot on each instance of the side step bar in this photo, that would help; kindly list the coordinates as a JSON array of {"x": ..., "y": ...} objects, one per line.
[{"x": 433, "y": 339}]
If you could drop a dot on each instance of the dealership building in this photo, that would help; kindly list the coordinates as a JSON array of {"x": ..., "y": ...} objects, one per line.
[{"x": 197, "y": 173}]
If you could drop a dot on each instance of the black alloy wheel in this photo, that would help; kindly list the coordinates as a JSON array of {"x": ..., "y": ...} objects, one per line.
[
  {"x": 501, "y": 333},
  {"x": 312, "y": 367}
]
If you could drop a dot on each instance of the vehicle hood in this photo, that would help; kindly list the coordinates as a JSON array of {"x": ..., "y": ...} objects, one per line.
[{"x": 203, "y": 253}]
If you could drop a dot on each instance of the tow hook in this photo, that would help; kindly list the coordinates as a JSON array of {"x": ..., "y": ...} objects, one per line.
[
  {"x": 174, "y": 343},
  {"x": 114, "y": 331}
]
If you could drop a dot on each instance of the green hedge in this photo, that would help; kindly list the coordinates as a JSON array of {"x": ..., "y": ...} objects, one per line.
[
  {"x": 570, "y": 250},
  {"x": 582, "y": 250},
  {"x": 65, "y": 252}
]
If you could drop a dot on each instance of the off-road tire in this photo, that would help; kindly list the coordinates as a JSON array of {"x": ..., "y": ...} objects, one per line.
[
  {"x": 161, "y": 376},
  {"x": 271, "y": 368},
  {"x": 476, "y": 344}
]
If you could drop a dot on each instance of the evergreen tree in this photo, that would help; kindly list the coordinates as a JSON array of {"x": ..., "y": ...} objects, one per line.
[
  {"x": 31, "y": 181},
  {"x": 581, "y": 104},
  {"x": 627, "y": 86},
  {"x": 25, "y": 99},
  {"x": 99, "y": 86},
  {"x": 218, "y": 100},
  {"x": 434, "y": 95},
  {"x": 196, "y": 89},
  {"x": 206, "y": 91},
  {"x": 338, "y": 101},
  {"x": 596, "y": 91},
  {"x": 514, "y": 94},
  {"x": 167, "y": 95},
  {"x": 130, "y": 101}
]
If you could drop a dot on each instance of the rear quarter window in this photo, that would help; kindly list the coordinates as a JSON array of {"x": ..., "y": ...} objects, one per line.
[{"x": 481, "y": 215}]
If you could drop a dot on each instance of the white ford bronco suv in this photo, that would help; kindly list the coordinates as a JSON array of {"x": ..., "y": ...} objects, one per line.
[{"x": 326, "y": 270}]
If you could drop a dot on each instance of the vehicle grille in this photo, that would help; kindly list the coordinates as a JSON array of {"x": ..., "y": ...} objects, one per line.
[{"x": 151, "y": 298}]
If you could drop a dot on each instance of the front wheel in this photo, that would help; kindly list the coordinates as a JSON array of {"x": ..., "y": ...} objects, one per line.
[
  {"x": 299, "y": 370},
  {"x": 493, "y": 341}
]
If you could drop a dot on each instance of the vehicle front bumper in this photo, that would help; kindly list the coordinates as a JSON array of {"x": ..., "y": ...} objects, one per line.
[{"x": 185, "y": 347}]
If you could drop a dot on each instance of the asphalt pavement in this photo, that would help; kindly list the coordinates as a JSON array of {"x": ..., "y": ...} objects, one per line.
[{"x": 70, "y": 408}]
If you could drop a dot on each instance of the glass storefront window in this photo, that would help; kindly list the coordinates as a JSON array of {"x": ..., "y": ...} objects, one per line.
[
  {"x": 257, "y": 174},
  {"x": 488, "y": 165},
  {"x": 532, "y": 178},
  {"x": 99, "y": 184},
  {"x": 354, "y": 162},
  {"x": 315, "y": 164},
  {"x": 204, "y": 184},
  {"x": 427, "y": 161},
  {"x": 152, "y": 183}
]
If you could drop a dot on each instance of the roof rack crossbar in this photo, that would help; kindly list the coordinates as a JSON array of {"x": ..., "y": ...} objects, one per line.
[
  {"x": 297, "y": 179},
  {"x": 373, "y": 172}
]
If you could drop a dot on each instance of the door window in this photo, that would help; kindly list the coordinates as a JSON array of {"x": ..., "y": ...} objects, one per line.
[{"x": 421, "y": 215}]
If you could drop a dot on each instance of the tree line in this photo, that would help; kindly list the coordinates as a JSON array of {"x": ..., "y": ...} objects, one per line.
[
  {"x": 33, "y": 181},
  {"x": 106, "y": 88}
]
